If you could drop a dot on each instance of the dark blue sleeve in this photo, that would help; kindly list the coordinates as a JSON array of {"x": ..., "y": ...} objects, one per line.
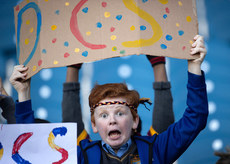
[
  {"x": 172, "y": 143},
  {"x": 24, "y": 112}
]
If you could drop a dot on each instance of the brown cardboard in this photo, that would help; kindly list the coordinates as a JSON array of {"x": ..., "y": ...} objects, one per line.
[{"x": 77, "y": 31}]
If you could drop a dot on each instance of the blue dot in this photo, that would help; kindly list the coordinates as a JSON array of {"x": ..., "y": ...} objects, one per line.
[
  {"x": 44, "y": 51},
  {"x": 144, "y": 1},
  {"x": 66, "y": 44},
  {"x": 142, "y": 28},
  {"x": 168, "y": 37},
  {"x": 163, "y": 46},
  {"x": 99, "y": 25},
  {"x": 85, "y": 53},
  {"x": 119, "y": 17},
  {"x": 85, "y": 10},
  {"x": 57, "y": 12},
  {"x": 165, "y": 16},
  {"x": 180, "y": 32}
]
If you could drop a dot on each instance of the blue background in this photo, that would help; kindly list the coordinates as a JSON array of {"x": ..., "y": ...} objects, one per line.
[{"x": 214, "y": 22}]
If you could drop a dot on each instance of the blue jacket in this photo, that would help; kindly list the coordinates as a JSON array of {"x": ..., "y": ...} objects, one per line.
[{"x": 169, "y": 145}]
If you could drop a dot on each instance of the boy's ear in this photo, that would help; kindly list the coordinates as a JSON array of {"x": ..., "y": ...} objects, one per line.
[
  {"x": 136, "y": 122},
  {"x": 94, "y": 127}
]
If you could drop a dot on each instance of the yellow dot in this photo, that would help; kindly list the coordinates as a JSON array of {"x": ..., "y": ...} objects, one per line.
[
  {"x": 113, "y": 37},
  {"x": 163, "y": 1},
  {"x": 179, "y": 3},
  {"x": 114, "y": 48},
  {"x": 188, "y": 18},
  {"x": 26, "y": 41},
  {"x": 31, "y": 29},
  {"x": 53, "y": 27},
  {"x": 76, "y": 50},
  {"x": 177, "y": 24},
  {"x": 28, "y": 22},
  {"x": 55, "y": 62},
  {"x": 27, "y": 1},
  {"x": 132, "y": 28},
  {"x": 67, "y": 3},
  {"x": 34, "y": 68},
  {"x": 107, "y": 14},
  {"x": 191, "y": 42},
  {"x": 88, "y": 33},
  {"x": 46, "y": 0}
]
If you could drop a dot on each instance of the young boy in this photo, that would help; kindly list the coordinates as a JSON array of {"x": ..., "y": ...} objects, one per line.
[{"x": 115, "y": 117}]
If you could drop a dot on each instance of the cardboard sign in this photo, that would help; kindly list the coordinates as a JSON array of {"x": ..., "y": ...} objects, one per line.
[
  {"x": 55, "y": 33},
  {"x": 38, "y": 143}
]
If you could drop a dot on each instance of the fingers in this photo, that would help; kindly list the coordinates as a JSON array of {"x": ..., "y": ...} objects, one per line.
[
  {"x": 19, "y": 73},
  {"x": 198, "y": 46}
]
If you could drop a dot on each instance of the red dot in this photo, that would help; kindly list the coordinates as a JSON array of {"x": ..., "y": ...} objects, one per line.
[
  {"x": 104, "y": 4},
  {"x": 183, "y": 48},
  {"x": 39, "y": 62},
  {"x": 112, "y": 29},
  {"x": 167, "y": 10},
  {"x": 66, "y": 55},
  {"x": 54, "y": 40},
  {"x": 17, "y": 8}
]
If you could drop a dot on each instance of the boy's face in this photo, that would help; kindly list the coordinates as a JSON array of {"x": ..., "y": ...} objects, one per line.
[{"x": 114, "y": 123}]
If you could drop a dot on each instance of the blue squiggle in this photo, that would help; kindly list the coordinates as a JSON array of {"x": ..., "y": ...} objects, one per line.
[
  {"x": 39, "y": 22},
  {"x": 61, "y": 130}
]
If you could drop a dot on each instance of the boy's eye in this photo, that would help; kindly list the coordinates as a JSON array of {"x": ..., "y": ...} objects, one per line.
[
  {"x": 119, "y": 113},
  {"x": 104, "y": 115}
]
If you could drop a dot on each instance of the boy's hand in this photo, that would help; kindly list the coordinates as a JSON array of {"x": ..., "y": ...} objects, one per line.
[
  {"x": 19, "y": 82},
  {"x": 198, "y": 48}
]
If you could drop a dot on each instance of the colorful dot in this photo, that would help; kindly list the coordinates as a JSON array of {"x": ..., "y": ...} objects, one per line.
[
  {"x": 44, "y": 51},
  {"x": 85, "y": 53},
  {"x": 46, "y": 0},
  {"x": 163, "y": 1},
  {"x": 28, "y": 22},
  {"x": 144, "y": 1},
  {"x": 57, "y": 12},
  {"x": 26, "y": 41},
  {"x": 66, "y": 55},
  {"x": 66, "y": 44},
  {"x": 181, "y": 32},
  {"x": 163, "y": 46},
  {"x": 183, "y": 48},
  {"x": 67, "y": 3},
  {"x": 112, "y": 29},
  {"x": 132, "y": 28},
  {"x": 122, "y": 52},
  {"x": 17, "y": 8},
  {"x": 103, "y": 4},
  {"x": 191, "y": 42},
  {"x": 119, "y": 17},
  {"x": 142, "y": 28},
  {"x": 165, "y": 16},
  {"x": 177, "y": 24},
  {"x": 53, "y": 27},
  {"x": 88, "y": 33},
  {"x": 99, "y": 25},
  {"x": 55, "y": 62},
  {"x": 189, "y": 19},
  {"x": 54, "y": 40},
  {"x": 168, "y": 37},
  {"x": 31, "y": 29},
  {"x": 39, "y": 62},
  {"x": 180, "y": 3},
  {"x": 34, "y": 68},
  {"x": 113, "y": 37},
  {"x": 107, "y": 14},
  {"x": 85, "y": 10},
  {"x": 28, "y": 1},
  {"x": 167, "y": 10},
  {"x": 76, "y": 50},
  {"x": 114, "y": 48}
]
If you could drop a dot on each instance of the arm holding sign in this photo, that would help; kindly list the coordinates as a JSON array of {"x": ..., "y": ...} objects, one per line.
[{"x": 23, "y": 112}]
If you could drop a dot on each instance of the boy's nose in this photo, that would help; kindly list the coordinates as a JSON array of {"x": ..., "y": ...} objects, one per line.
[{"x": 112, "y": 120}]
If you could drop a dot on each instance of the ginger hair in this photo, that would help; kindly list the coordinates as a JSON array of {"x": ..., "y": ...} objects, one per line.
[{"x": 113, "y": 90}]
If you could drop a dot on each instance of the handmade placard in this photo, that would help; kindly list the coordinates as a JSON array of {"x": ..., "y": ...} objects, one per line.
[
  {"x": 38, "y": 143},
  {"x": 56, "y": 33}
]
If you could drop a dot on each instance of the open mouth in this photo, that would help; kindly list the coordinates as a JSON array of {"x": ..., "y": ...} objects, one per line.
[{"x": 114, "y": 134}]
